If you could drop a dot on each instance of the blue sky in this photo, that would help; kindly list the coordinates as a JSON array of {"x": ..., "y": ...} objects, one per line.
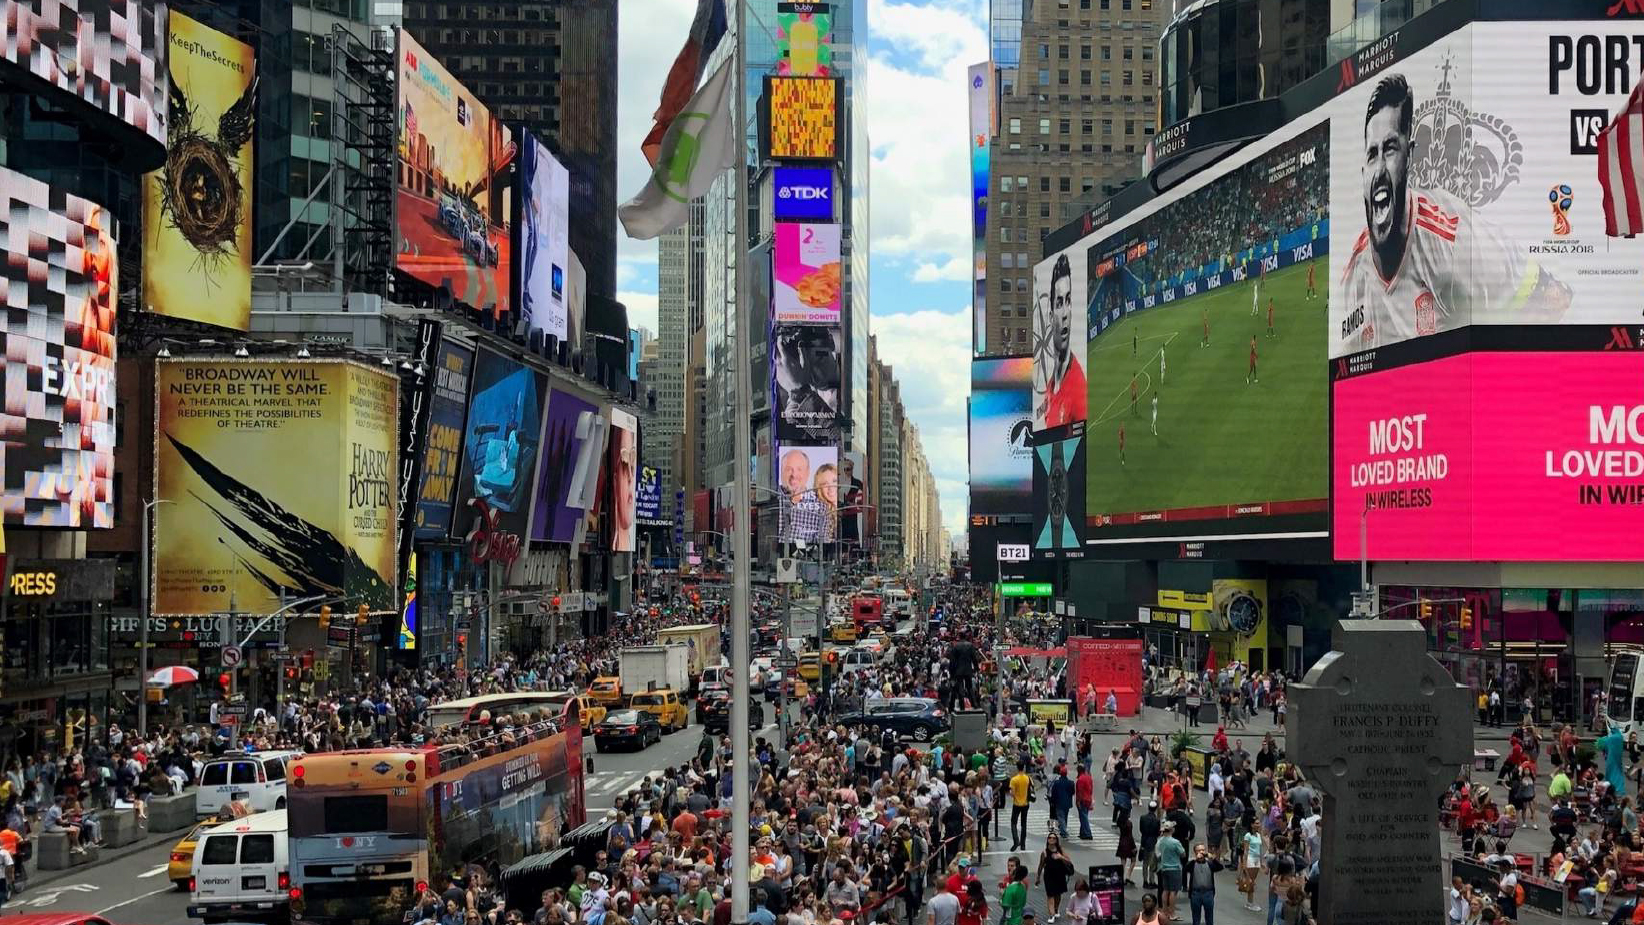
[{"x": 913, "y": 85}]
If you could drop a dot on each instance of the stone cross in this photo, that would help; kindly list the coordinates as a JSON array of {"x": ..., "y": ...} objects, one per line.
[{"x": 1381, "y": 728}]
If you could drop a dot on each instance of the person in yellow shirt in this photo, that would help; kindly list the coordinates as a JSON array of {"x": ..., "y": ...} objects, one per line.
[
  {"x": 1021, "y": 794},
  {"x": 1483, "y": 707}
]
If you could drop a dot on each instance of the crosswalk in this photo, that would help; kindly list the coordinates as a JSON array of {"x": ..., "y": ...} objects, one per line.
[{"x": 1102, "y": 846}]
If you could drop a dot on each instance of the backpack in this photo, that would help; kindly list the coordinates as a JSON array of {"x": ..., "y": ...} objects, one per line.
[{"x": 1518, "y": 894}]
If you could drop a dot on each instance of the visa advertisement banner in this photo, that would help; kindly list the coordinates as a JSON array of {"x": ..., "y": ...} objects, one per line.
[{"x": 1477, "y": 457}]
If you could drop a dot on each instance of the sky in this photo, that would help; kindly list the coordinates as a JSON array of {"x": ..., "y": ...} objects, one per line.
[{"x": 913, "y": 85}]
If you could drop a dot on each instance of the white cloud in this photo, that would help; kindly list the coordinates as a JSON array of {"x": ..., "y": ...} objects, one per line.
[
  {"x": 642, "y": 309},
  {"x": 956, "y": 269},
  {"x": 929, "y": 353}
]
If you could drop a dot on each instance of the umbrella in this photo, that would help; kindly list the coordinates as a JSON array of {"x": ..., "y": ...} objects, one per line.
[
  {"x": 175, "y": 674},
  {"x": 1210, "y": 661}
]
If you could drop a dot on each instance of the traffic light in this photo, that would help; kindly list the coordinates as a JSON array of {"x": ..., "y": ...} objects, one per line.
[
  {"x": 308, "y": 659},
  {"x": 1466, "y": 617},
  {"x": 363, "y": 615},
  {"x": 292, "y": 672},
  {"x": 226, "y": 680},
  {"x": 1426, "y": 610},
  {"x": 462, "y": 643},
  {"x": 325, "y": 616}
]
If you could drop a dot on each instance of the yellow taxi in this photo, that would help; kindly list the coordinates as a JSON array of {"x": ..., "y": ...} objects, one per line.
[
  {"x": 590, "y": 712},
  {"x": 664, "y": 704},
  {"x": 843, "y": 632},
  {"x": 810, "y": 666},
  {"x": 607, "y": 692}
]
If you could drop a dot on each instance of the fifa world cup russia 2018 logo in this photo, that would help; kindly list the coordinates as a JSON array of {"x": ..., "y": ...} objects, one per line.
[{"x": 1562, "y": 198}]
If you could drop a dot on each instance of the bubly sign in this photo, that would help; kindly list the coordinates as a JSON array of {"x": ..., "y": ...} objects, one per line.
[
  {"x": 802, "y": 194},
  {"x": 1493, "y": 457}
]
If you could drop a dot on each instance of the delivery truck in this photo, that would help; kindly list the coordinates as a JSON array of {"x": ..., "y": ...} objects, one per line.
[
  {"x": 643, "y": 668},
  {"x": 702, "y": 641}
]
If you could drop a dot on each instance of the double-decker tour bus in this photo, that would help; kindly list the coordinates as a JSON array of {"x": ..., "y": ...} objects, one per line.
[{"x": 370, "y": 829}]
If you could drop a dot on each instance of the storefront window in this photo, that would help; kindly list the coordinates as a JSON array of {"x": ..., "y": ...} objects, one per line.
[{"x": 67, "y": 644}]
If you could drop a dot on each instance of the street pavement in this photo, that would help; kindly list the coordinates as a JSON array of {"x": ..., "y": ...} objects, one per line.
[{"x": 131, "y": 887}]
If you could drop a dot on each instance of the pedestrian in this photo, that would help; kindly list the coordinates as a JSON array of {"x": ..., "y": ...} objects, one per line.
[
  {"x": 1127, "y": 851},
  {"x": 1013, "y": 899},
  {"x": 1149, "y": 829},
  {"x": 973, "y": 906},
  {"x": 1084, "y": 795},
  {"x": 1054, "y": 869},
  {"x": 1250, "y": 865},
  {"x": 1081, "y": 905},
  {"x": 1171, "y": 856},
  {"x": 1062, "y": 794},
  {"x": 1150, "y": 912},
  {"x": 1021, "y": 794},
  {"x": 1198, "y": 878}
]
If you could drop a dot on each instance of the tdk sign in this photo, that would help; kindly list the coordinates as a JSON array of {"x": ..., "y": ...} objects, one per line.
[{"x": 802, "y": 194}]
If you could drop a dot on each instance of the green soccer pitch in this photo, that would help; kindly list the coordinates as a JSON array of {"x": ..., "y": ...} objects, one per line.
[{"x": 1221, "y": 439}]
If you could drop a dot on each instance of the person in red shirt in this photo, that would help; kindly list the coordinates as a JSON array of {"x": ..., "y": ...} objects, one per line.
[
  {"x": 1121, "y": 443},
  {"x": 1311, "y": 290},
  {"x": 1063, "y": 375},
  {"x": 1084, "y": 797},
  {"x": 1250, "y": 375}
]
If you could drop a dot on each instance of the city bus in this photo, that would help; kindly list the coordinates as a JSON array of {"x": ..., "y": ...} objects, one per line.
[{"x": 370, "y": 829}]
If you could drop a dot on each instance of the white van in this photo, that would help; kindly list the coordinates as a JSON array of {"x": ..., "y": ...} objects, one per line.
[
  {"x": 715, "y": 676},
  {"x": 241, "y": 869},
  {"x": 257, "y": 778}
]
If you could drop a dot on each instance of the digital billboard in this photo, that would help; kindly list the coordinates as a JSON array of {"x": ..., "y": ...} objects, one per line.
[
  {"x": 1455, "y": 457},
  {"x": 499, "y": 448},
  {"x": 545, "y": 190},
  {"x": 622, "y": 469},
  {"x": 1479, "y": 202},
  {"x": 1058, "y": 335},
  {"x": 57, "y": 430},
  {"x": 980, "y": 140},
  {"x": 855, "y": 511},
  {"x": 804, "y": 39},
  {"x": 452, "y": 222},
  {"x": 804, "y": 118},
  {"x": 1058, "y": 499},
  {"x": 565, "y": 444},
  {"x": 442, "y": 456},
  {"x": 1206, "y": 345},
  {"x": 279, "y": 476},
  {"x": 802, "y": 194},
  {"x": 197, "y": 208},
  {"x": 807, "y": 494},
  {"x": 648, "y": 498},
  {"x": 110, "y": 54},
  {"x": 806, "y": 381},
  {"x": 1001, "y": 454},
  {"x": 808, "y": 277}
]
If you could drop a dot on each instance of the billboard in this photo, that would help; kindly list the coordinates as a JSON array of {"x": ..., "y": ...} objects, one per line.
[
  {"x": 197, "y": 208},
  {"x": 57, "y": 431},
  {"x": 804, "y": 118},
  {"x": 442, "y": 459},
  {"x": 802, "y": 194},
  {"x": 408, "y": 611},
  {"x": 623, "y": 467},
  {"x": 804, "y": 39},
  {"x": 648, "y": 498},
  {"x": 1454, "y": 457},
  {"x": 1001, "y": 415},
  {"x": 1058, "y": 338},
  {"x": 1480, "y": 201},
  {"x": 452, "y": 222},
  {"x": 1058, "y": 499},
  {"x": 545, "y": 191},
  {"x": 807, "y": 494},
  {"x": 110, "y": 54},
  {"x": 280, "y": 477},
  {"x": 1238, "y": 607},
  {"x": 981, "y": 139},
  {"x": 855, "y": 523},
  {"x": 806, "y": 381},
  {"x": 499, "y": 447},
  {"x": 808, "y": 279},
  {"x": 1206, "y": 329},
  {"x": 565, "y": 443}
]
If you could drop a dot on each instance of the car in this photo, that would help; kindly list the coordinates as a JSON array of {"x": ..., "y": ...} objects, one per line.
[
  {"x": 665, "y": 705},
  {"x": 917, "y": 718},
  {"x": 635, "y": 728},
  {"x": 477, "y": 243},
  {"x": 606, "y": 691},
  {"x": 451, "y": 218},
  {"x": 181, "y": 864},
  {"x": 589, "y": 712},
  {"x": 714, "y": 712}
]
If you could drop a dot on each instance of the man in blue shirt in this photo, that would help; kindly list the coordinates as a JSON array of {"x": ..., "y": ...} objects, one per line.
[{"x": 1061, "y": 798}]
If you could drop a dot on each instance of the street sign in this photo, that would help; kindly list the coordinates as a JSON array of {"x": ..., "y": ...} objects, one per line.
[
  {"x": 787, "y": 661},
  {"x": 1025, "y": 589},
  {"x": 802, "y": 623},
  {"x": 230, "y": 714},
  {"x": 342, "y": 636},
  {"x": 232, "y": 656}
]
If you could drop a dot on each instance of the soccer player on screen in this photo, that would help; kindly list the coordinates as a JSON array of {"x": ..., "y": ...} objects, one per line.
[
  {"x": 1270, "y": 331},
  {"x": 1250, "y": 374},
  {"x": 1426, "y": 261},
  {"x": 1065, "y": 384},
  {"x": 1312, "y": 291},
  {"x": 1205, "y": 340},
  {"x": 1121, "y": 443},
  {"x": 1155, "y": 414},
  {"x": 1256, "y": 292},
  {"x": 1161, "y": 366},
  {"x": 1133, "y": 393}
]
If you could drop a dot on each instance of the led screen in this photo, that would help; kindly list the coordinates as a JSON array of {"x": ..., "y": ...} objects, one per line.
[
  {"x": 1001, "y": 457},
  {"x": 803, "y": 113}
]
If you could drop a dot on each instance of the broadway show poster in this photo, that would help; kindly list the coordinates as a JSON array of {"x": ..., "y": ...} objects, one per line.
[
  {"x": 442, "y": 458},
  {"x": 559, "y": 501},
  {"x": 499, "y": 449},
  {"x": 279, "y": 475},
  {"x": 197, "y": 208}
]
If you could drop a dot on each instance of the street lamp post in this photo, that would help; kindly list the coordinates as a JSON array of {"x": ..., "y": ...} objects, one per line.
[{"x": 143, "y": 608}]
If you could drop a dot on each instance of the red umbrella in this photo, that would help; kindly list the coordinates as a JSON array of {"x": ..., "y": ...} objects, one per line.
[
  {"x": 176, "y": 674},
  {"x": 1210, "y": 661}
]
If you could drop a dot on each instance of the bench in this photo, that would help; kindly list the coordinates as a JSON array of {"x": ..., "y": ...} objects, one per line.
[
  {"x": 1107, "y": 722},
  {"x": 169, "y": 814},
  {"x": 1484, "y": 759},
  {"x": 51, "y": 852}
]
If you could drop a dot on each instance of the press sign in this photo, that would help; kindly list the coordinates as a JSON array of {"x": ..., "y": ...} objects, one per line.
[{"x": 802, "y": 193}]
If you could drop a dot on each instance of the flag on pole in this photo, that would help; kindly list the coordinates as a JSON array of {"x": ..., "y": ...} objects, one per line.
[
  {"x": 1621, "y": 168},
  {"x": 707, "y": 29},
  {"x": 699, "y": 145}
]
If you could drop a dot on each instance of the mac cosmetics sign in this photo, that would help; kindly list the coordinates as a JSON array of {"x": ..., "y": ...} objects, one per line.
[{"x": 802, "y": 194}]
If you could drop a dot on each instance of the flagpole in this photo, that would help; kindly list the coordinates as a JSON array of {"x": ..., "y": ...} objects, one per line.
[{"x": 742, "y": 773}]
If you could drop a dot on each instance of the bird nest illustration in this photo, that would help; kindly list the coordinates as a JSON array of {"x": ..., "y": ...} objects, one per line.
[{"x": 200, "y": 182}]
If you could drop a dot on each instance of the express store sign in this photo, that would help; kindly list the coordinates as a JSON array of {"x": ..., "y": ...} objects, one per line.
[{"x": 802, "y": 194}]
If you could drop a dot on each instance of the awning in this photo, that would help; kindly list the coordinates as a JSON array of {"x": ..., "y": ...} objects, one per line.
[{"x": 534, "y": 864}]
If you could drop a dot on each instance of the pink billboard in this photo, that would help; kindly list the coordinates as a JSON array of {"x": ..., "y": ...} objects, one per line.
[
  {"x": 808, "y": 280},
  {"x": 1493, "y": 457}
]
